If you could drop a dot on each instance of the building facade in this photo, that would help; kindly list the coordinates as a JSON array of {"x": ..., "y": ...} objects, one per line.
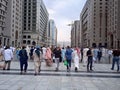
[
  {"x": 93, "y": 23},
  {"x": 75, "y": 33},
  {"x": 3, "y": 8},
  {"x": 113, "y": 24},
  {"x": 52, "y": 33},
  {"x": 35, "y": 22},
  {"x": 14, "y": 23},
  {"x": 84, "y": 25}
]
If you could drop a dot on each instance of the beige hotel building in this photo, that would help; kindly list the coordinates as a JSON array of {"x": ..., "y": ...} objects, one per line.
[
  {"x": 10, "y": 22},
  {"x": 35, "y": 22},
  {"x": 113, "y": 24},
  {"x": 13, "y": 28},
  {"x": 3, "y": 7},
  {"x": 93, "y": 23},
  {"x": 75, "y": 33}
]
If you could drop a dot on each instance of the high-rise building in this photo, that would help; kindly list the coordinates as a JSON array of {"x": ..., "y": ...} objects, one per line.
[
  {"x": 75, "y": 33},
  {"x": 13, "y": 27},
  {"x": 52, "y": 33},
  {"x": 3, "y": 7},
  {"x": 35, "y": 22},
  {"x": 113, "y": 35},
  {"x": 93, "y": 20}
]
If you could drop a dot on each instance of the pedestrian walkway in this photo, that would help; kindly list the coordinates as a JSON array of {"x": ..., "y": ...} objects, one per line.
[{"x": 102, "y": 78}]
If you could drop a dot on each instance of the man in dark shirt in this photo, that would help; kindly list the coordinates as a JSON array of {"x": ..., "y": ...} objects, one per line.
[
  {"x": 57, "y": 53},
  {"x": 90, "y": 60},
  {"x": 116, "y": 54}
]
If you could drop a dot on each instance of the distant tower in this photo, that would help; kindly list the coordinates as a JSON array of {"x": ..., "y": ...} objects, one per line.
[{"x": 52, "y": 33}]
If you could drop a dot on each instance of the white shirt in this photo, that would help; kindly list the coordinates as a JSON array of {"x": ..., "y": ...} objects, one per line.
[
  {"x": 85, "y": 52},
  {"x": 110, "y": 52},
  {"x": 8, "y": 54},
  {"x": 44, "y": 50},
  {"x": 75, "y": 54}
]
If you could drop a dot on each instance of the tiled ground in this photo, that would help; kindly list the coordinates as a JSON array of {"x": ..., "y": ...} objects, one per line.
[{"x": 102, "y": 78}]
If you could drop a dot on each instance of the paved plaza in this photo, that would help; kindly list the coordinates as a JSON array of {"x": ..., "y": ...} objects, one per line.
[{"x": 102, "y": 78}]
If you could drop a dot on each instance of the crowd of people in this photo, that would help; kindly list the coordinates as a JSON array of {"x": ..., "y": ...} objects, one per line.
[{"x": 67, "y": 55}]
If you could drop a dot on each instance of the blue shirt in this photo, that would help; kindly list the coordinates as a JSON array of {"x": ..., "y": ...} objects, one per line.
[{"x": 68, "y": 54}]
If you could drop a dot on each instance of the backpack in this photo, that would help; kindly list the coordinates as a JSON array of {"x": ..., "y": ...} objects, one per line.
[
  {"x": 23, "y": 54},
  {"x": 37, "y": 52}
]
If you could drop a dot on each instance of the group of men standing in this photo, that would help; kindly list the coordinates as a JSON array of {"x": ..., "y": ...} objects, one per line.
[{"x": 47, "y": 54}]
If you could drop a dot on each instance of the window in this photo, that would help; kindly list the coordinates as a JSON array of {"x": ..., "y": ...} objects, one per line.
[
  {"x": 29, "y": 36},
  {"x": 24, "y": 41},
  {"x": 24, "y": 28},
  {"x": 28, "y": 25},
  {"x": 6, "y": 3},
  {"x": 29, "y": 28},
  {"x": 29, "y": 21},
  {"x": 28, "y": 42},
  {"x": 13, "y": 25},
  {"x": 24, "y": 36},
  {"x": 12, "y": 34}
]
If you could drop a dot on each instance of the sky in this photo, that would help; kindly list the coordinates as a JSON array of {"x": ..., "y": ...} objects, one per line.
[{"x": 64, "y": 12}]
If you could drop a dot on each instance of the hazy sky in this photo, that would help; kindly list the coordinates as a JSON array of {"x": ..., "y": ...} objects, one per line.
[{"x": 64, "y": 12}]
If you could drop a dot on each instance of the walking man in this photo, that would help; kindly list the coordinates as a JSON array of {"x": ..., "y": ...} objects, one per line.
[
  {"x": 116, "y": 54},
  {"x": 68, "y": 55},
  {"x": 8, "y": 56},
  {"x": 57, "y": 53},
  {"x": 76, "y": 58},
  {"x": 23, "y": 60},
  {"x": 85, "y": 56},
  {"x": 37, "y": 60},
  {"x": 90, "y": 60}
]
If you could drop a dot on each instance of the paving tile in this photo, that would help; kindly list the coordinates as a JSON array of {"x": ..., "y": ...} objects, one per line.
[{"x": 101, "y": 79}]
